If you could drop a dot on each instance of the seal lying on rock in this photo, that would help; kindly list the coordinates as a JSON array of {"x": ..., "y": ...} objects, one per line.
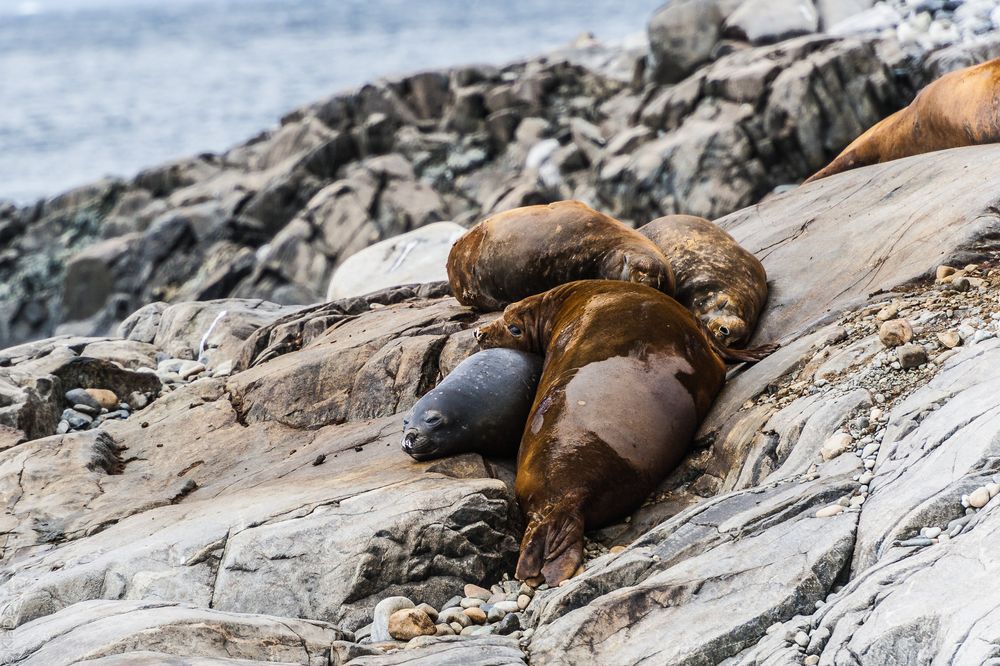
[
  {"x": 720, "y": 282},
  {"x": 961, "y": 108},
  {"x": 528, "y": 250},
  {"x": 480, "y": 406},
  {"x": 629, "y": 374}
]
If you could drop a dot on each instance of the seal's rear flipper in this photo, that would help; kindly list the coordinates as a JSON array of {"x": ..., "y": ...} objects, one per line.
[
  {"x": 552, "y": 548},
  {"x": 751, "y": 355}
]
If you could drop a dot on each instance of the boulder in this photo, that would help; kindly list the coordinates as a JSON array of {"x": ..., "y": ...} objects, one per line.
[
  {"x": 682, "y": 34},
  {"x": 769, "y": 21},
  {"x": 411, "y": 258}
]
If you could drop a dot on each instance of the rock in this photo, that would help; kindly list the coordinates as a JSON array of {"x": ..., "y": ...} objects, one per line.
[
  {"x": 383, "y": 612},
  {"x": 681, "y": 37},
  {"x": 522, "y": 601},
  {"x": 509, "y": 624},
  {"x": 943, "y": 272},
  {"x": 429, "y": 610},
  {"x": 829, "y": 511},
  {"x": 979, "y": 498},
  {"x": 415, "y": 257},
  {"x": 769, "y": 21},
  {"x": 452, "y": 615},
  {"x": 476, "y": 592},
  {"x": 82, "y": 397},
  {"x": 409, "y": 623},
  {"x": 949, "y": 339},
  {"x": 76, "y": 420},
  {"x": 477, "y": 615},
  {"x": 471, "y": 602},
  {"x": 836, "y": 445},
  {"x": 911, "y": 356},
  {"x": 895, "y": 332},
  {"x": 104, "y": 398}
]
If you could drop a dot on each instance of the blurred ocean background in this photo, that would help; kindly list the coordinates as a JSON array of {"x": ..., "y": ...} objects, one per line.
[{"x": 90, "y": 88}]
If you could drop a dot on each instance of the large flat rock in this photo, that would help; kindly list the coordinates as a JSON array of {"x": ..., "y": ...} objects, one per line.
[{"x": 832, "y": 244}]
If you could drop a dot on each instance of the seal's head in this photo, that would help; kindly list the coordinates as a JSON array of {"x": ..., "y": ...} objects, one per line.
[
  {"x": 724, "y": 320},
  {"x": 427, "y": 433},
  {"x": 515, "y": 329},
  {"x": 643, "y": 266}
]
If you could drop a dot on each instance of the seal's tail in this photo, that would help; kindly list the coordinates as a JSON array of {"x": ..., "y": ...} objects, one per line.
[
  {"x": 751, "y": 355},
  {"x": 552, "y": 548}
]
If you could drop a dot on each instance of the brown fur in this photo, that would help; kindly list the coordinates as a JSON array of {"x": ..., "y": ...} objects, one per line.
[
  {"x": 959, "y": 109},
  {"x": 525, "y": 251},
  {"x": 628, "y": 376},
  {"x": 723, "y": 284}
]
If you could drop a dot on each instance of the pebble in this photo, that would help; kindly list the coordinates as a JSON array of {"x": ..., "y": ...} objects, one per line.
[
  {"x": 857, "y": 500},
  {"x": 383, "y": 610},
  {"x": 105, "y": 398},
  {"x": 477, "y": 615},
  {"x": 869, "y": 463},
  {"x": 895, "y": 332},
  {"x": 979, "y": 497},
  {"x": 916, "y": 542},
  {"x": 828, "y": 511},
  {"x": 811, "y": 660},
  {"x": 86, "y": 409},
  {"x": 455, "y": 615},
  {"x": 944, "y": 271},
  {"x": 911, "y": 356},
  {"x": 522, "y": 601},
  {"x": 79, "y": 396},
  {"x": 495, "y": 614},
  {"x": 476, "y": 592},
  {"x": 63, "y": 427},
  {"x": 530, "y": 591},
  {"x": 76, "y": 419},
  {"x": 443, "y": 630},
  {"x": 507, "y": 606},
  {"x": 835, "y": 445},
  {"x": 456, "y": 627},
  {"x": 467, "y": 631},
  {"x": 431, "y": 612},
  {"x": 470, "y": 602},
  {"x": 931, "y": 532},
  {"x": 191, "y": 370},
  {"x": 870, "y": 450},
  {"x": 508, "y": 625},
  {"x": 888, "y": 312},
  {"x": 801, "y": 639},
  {"x": 452, "y": 603}
]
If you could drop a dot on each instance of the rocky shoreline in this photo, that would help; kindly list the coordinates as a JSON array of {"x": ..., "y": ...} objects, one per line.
[{"x": 248, "y": 502}]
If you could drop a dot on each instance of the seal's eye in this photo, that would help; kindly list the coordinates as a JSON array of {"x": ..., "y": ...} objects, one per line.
[
  {"x": 723, "y": 331},
  {"x": 432, "y": 419},
  {"x": 514, "y": 330}
]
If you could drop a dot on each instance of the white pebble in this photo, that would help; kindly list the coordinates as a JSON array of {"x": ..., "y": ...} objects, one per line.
[
  {"x": 979, "y": 498},
  {"x": 931, "y": 532},
  {"x": 828, "y": 511}
]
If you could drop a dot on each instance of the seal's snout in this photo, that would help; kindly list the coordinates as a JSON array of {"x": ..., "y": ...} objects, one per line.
[{"x": 409, "y": 438}]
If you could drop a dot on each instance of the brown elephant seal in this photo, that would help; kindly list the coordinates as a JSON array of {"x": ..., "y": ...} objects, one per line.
[
  {"x": 629, "y": 374},
  {"x": 961, "y": 108},
  {"x": 481, "y": 407},
  {"x": 525, "y": 251},
  {"x": 723, "y": 284}
]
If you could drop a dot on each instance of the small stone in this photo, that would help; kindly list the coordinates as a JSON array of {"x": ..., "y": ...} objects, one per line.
[
  {"x": 916, "y": 542},
  {"x": 866, "y": 478},
  {"x": 614, "y": 550},
  {"x": 410, "y": 623},
  {"x": 476, "y": 592},
  {"x": 430, "y": 610},
  {"x": 876, "y": 413},
  {"x": 857, "y": 500},
  {"x": 471, "y": 602},
  {"x": 495, "y": 614},
  {"x": 869, "y": 463},
  {"x": 911, "y": 356},
  {"x": 63, "y": 427},
  {"x": 979, "y": 497},
  {"x": 835, "y": 445},
  {"x": 828, "y": 511},
  {"x": 944, "y": 272},
  {"x": 75, "y": 419},
  {"x": 811, "y": 660},
  {"x": 468, "y": 631},
  {"x": 456, "y": 627},
  {"x": 80, "y": 396},
  {"x": 138, "y": 400},
  {"x": 452, "y": 603},
  {"x": 801, "y": 638},
  {"x": 443, "y": 630},
  {"x": 526, "y": 589},
  {"x": 887, "y": 313},
  {"x": 105, "y": 398},
  {"x": 453, "y": 615},
  {"x": 931, "y": 532},
  {"x": 522, "y": 601},
  {"x": 191, "y": 370},
  {"x": 475, "y": 614},
  {"x": 87, "y": 409},
  {"x": 508, "y": 625},
  {"x": 992, "y": 489},
  {"x": 383, "y": 610},
  {"x": 960, "y": 283},
  {"x": 895, "y": 332}
]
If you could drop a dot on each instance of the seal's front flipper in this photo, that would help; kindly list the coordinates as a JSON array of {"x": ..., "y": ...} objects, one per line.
[
  {"x": 552, "y": 548},
  {"x": 751, "y": 355}
]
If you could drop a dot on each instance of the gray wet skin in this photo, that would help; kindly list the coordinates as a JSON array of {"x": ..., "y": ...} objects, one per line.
[{"x": 480, "y": 407}]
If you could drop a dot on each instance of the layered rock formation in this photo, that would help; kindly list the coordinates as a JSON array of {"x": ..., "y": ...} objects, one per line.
[{"x": 253, "y": 506}]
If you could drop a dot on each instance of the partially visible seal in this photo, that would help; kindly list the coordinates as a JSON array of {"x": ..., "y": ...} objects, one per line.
[
  {"x": 481, "y": 407},
  {"x": 528, "y": 250},
  {"x": 720, "y": 282},
  {"x": 961, "y": 108},
  {"x": 629, "y": 374}
]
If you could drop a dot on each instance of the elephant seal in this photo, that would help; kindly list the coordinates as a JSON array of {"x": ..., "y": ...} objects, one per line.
[
  {"x": 525, "y": 251},
  {"x": 961, "y": 108},
  {"x": 720, "y": 282},
  {"x": 480, "y": 406},
  {"x": 629, "y": 374}
]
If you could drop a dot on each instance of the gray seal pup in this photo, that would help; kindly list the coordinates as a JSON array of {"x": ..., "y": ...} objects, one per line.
[{"x": 481, "y": 407}]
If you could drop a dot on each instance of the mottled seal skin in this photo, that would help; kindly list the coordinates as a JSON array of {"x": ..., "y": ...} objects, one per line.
[
  {"x": 525, "y": 251},
  {"x": 481, "y": 407},
  {"x": 961, "y": 108},
  {"x": 723, "y": 284},
  {"x": 629, "y": 374}
]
